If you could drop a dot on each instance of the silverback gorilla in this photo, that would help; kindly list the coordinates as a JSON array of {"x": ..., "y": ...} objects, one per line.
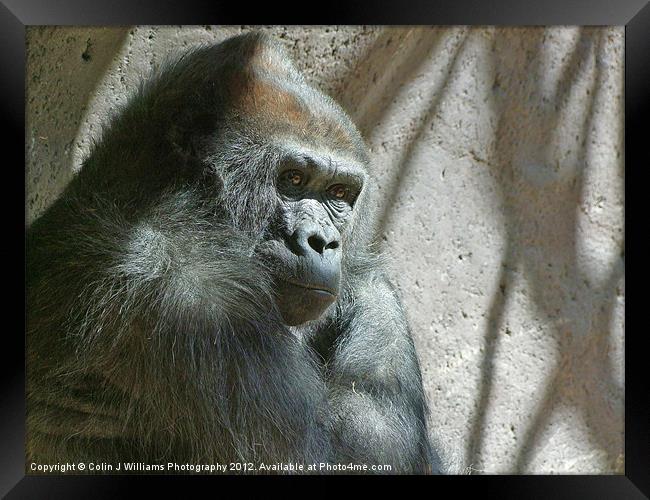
[{"x": 203, "y": 291}]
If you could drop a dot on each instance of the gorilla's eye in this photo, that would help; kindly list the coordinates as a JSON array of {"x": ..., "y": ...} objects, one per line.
[
  {"x": 339, "y": 191},
  {"x": 295, "y": 177}
]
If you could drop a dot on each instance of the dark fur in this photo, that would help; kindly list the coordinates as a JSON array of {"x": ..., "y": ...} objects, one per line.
[{"x": 153, "y": 333}]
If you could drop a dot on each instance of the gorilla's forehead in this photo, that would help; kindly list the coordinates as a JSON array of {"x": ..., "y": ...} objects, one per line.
[
  {"x": 281, "y": 109},
  {"x": 268, "y": 92}
]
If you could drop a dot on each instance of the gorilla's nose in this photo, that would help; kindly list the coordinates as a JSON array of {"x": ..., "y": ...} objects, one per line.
[{"x": 309, "y": 238}]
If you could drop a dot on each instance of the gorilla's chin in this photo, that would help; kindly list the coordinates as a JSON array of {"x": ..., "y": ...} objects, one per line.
[{"x": 301, "y": 303}]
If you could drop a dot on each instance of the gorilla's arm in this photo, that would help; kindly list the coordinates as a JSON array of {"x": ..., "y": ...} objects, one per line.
[{"x": 375, "y": 388}]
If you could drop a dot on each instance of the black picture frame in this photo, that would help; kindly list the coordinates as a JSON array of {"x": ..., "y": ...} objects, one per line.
[{"x": 15, "y": 15}]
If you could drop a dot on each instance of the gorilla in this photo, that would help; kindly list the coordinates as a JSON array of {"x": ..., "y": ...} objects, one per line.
[{"x": 204, "y": 290}]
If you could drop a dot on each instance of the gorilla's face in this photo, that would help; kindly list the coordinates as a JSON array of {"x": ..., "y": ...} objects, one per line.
[
  {"x": 317, "y": 197},
  {"x": 293, "y": 165}
]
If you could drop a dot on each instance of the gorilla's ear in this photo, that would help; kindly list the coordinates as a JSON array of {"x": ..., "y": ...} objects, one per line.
[
  {"x": 182, "y": 141},
  {"x": 188, "y": 140}
]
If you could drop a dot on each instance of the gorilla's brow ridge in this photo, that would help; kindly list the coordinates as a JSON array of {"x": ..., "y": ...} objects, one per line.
[{"x": 336, "y": 165}]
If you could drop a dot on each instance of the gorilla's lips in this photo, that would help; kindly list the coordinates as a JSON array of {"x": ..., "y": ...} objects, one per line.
[
  {"x": 301, "y": 302},
  {"x": 313, "y": 288}
]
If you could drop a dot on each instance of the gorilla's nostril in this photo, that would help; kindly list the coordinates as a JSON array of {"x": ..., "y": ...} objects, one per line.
[
  {"x": 333, "y": 245},
  {"x": 317, "y": 243}
]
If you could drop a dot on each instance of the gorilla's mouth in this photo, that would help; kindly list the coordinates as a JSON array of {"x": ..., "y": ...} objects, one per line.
[
  {"x": 313, "y": 288},
  {"x": 302, "y": 302},
  {"x": 305, "y": 285}
]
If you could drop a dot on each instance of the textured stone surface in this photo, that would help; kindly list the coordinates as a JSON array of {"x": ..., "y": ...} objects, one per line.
[{"x": 499, "y": 157}]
